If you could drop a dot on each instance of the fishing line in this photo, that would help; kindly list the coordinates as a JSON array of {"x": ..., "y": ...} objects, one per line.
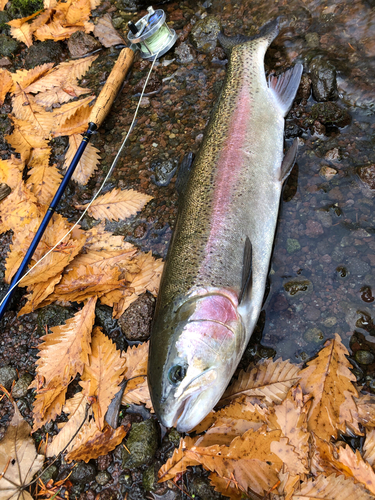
[{"x": 114, "y": 163}]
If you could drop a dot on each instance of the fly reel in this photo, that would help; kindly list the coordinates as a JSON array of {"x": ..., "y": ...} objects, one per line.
[{"x": 151, "y": 35}]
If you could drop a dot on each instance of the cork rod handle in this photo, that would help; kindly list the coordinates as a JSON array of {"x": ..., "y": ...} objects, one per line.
[{"x": 111, "y": 87}]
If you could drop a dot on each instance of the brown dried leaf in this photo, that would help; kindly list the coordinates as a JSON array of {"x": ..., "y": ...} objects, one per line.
[
  {"x": 24, "y": 139},
  {"x": 40, "y": 122},
  {"x": 178, "y": 462},
  {"x": 226, "y": 487},
  {"x": 55, "y": 31},
  {"x": 11, "y": 172},
  {"x": 102, "y": 375},
  {"x": 22, "y": 78},
  {"x": 18, "y": 458},
  {"x": 352, "y": 464},
  {"x": 106, "y": 258},
  {"x": 88, "y": 162},
  {"x": 136, "y": 358},
  {"x": 117, "y": 204},
  {"x": 93, "y": 443},
  {"x": 48, "y": 405},
  {"x": 21, "y": 30},
  {"x": 18, "y": 209},
  {"x": 67, "y": 111},
  {"x": 286, "y": 453},
  {"x": 76, "y": 408},
  {"x": 248, "y": 461},
  {"x": 76, "y": 124},
  {"x": 106, "y": 33},
  {"x": 78, "y": 12},
  {"x": 98, "y": 239},
  {"x": 270, "y": 380},
  {"x": 366, "y": 410},
  {"x": 39, "y": 292},
  {"x": 3, "y": 4},
  {"x": 60, "y": 95},
  {"x": 369, "y": 447},
  {"x": 137, "y": 392},
  {"x": 6, "y": 84},
  {"x": 44, "y": 179},
  {"x": 66, "y": 350},
  {"x": 329, "y": 380},
  {"x": 331, "y": 488}
]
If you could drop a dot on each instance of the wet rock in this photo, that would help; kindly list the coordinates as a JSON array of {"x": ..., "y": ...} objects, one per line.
[
  {"x": 135, "y": 323},
  {"x": 83, "y": 473},
  {"x": 107, "y": 494},
  {"x": 312, "y": 40},
  {"x": 8, "y": 46},
  {"x": 43, "y": 52},
  {"x": 103, "y": 478},
  {"x": 50, "y": 473},
  {"x": 330, "y": 322},
  {"x": 327, "y": 173},
  {"x": 150, "y": 477},
  {"x": 164, "y": 171},
  {"x": 4, "y": 18},
  {"x": 312, "y": 313},
  {"x": 313, "y": 229},
  {"x": 154, "y": 84},
  {"x": 174, "y": 437},
  {"x": 330, "y": 113},
  {"x": 103, "y": 462},
  {"x": 7, "y": 375},
  {"x": 200, "y": 487},
  {"x": 52, "y": 315},
  {"x": 323, "y": 79},
  {"x": 295, "y": 287},
  {"x": 142, "y": 444},
  {"x": 292, "y": 245},
  {"x": 184, "y": 53},
  {"x": 364, "y": 357},
  {"x": 367, "y": 175},
  {"x": 313, "y": 335},
  {"x": 304, "y": 89},
  {"x": 333, "y": 154},
  {"x": 204, "y": 34},
  {"x": 358, "y": 266},
  {"x": 80, "y": 44},
  {"x": 22, "y": 385}
]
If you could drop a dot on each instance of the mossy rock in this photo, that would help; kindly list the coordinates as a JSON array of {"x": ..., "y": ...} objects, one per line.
[
  {"x": 43, "y": 52},
  {"x": 23, "y": 8},
  {"x": 204, "y": 34},
  {"x": 4, "y": 18},
  {"x": 8, "y": 46},
  {"x": 142, "y": 444},
  {"x": 330, "y": 113}
]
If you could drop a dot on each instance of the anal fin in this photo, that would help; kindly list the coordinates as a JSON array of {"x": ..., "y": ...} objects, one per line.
[
  {"x": 289, "y": 160},
  {"x": 246, "y": 269},
  {"x": 285, "y": 87}
]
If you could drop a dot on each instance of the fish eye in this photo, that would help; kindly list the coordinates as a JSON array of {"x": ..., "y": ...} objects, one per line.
[{"x": 176, "y": 374}]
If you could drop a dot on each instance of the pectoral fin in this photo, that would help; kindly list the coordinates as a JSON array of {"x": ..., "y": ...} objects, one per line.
[
  {"x": 246, "y": 269},
  {"x": 285, "y": 86},
  {"x": 289, "y": 161}
]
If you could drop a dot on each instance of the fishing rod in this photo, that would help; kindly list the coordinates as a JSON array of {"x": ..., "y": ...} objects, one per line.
[{"x": 152, "y": 37}]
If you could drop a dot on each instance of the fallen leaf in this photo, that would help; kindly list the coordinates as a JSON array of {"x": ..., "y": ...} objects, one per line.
[
  {"x": 6, "y": 84},
  {"x": 76, "y": 407},
  {"x": 329, "y": 380},
  {"x": 369, "y": 447},
  {"x": 44, "y": 178},
  {"x": 24, "y": 139},
  {"x": 226, "y": 486},
  {"x": 19, "y": 460},
  {"x": 23, "y": 78},
  {"x": 270, "y": 380},
  {"x": 137, "y": 392},
  {"x": 88, "y": 162},
  {"x": 21, "y": 30},
  {"x": 331, "y": 488},
  {"x": 117, "y": 204},
  {"x": 76, "y": 124},
  {"x": 106, "y": 33},
  {"x": 18, "y": 209},
  {"x": 11, "y": 172},
  {"x": 55, "y": 31},
  {"x": 39, "y": 121},
  {"x": 286, "y": 453},
  {"x": 178, "y": 462},
  {"x": 366, "y": 410},
  {"x": 106, "y": 258},
  {"x": 67, "y": 111},
  {"x": 94, "y": 443},
  {"x": 102, "y": 375},
  {"x": 352, "y": 464},
  {"x": 38, "y": 293},
  {"x": 78, "y": 12}
]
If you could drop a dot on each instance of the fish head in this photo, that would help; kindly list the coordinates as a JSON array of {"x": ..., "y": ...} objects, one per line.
[{"x": 206, "y": 336}]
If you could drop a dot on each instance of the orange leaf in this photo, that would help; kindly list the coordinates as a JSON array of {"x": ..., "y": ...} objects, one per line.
[
  {"x": 93, "y": 443},
  {"x": 102, "y": 375},
  {"x": 6, "y": 83},
  {"x": 55, "y": 31},
  {"x": 329, "y": 380},
  {"x": 22, "y": 78},
  {"x": 354, "y": 465},
  {"x": 48, "y": 405},
  {"x": 117, "y": 204},
  {"x": 18, "y": 209},
  {"x": 106, "y": 258},
  {"x": 136, "y": 359},
  {"x": 269, "y": 379},
  {"x": 24, "y": 140},
  {"x": 76, "y": 124},
  {"x": 369, "y": 448},
  {"x": 78, "y": 12},
  {"x": 21, "y": 30},
  {"x": 60, "y": 95},
  {"x": 178, "y": 462},
  {"x": 137, "y": 392},
  {"x": 332, "y": 488},
  {"x": 11, "y": 171},
  {"x": 44, "y": 179},
  {"x": 40, "y": 122},
  {"x": 39, "y": 292},
  {"x": 88, "y": 162}
]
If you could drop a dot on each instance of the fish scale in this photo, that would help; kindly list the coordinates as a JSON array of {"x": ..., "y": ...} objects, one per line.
[{"x": 232, "y": 197}]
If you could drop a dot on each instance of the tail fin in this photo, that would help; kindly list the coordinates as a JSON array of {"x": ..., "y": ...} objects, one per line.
[{"x": 269, "y": 31}]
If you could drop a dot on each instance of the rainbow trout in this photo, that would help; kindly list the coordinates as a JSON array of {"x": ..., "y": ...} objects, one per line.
[{"x": 213, "y": 284}]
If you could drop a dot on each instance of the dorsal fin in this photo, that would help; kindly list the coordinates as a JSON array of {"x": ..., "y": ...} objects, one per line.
[{"x": 246, "y": 269}]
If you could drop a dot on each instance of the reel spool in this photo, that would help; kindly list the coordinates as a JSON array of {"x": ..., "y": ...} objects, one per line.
[{"x": 151, "y": 35}]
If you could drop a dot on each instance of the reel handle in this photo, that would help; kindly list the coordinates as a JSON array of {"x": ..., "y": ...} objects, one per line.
[{"x": 111, "y": 87}]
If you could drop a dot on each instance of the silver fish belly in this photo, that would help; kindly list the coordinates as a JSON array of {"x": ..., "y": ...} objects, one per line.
[{"x": 214, "y": 279}]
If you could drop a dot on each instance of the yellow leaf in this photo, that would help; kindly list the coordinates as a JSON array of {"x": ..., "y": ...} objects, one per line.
[
  {"x": 11, "y": 171},
  {"x": 60, "y": 95},
  {"x": 18, "y": 209},
  {"x": 76, "y": 124},
  {"x": 44, "y": 179},
  {"x": 24, "y": 140},
  {"x": 22, "y": 78},
  {"x": 21, "y": 30},
  {"x": 62, "y": 114},
  {"x": 102, "y": 375},
  {"x": 78, "y": 12},
  {"x": 76, "y": 408},
  {"x": 19, "y": 460},
  {"x": 226, "y": 486},
  {"x": 270, "y": 380},
  {"x": 287, "y": 454},
  {"x": 55, "y": 31},
  {"x": 366, "y": 410},
  {"x": 88, "y": 162},
  {"x": 92, "y": 443},
  {"x": 106, "y": 258},
  {"x": 50, "y": 4},
  {"x": 353, "y": 464},
  {"x": 3, "y": 4},
  {"x": 6, "y": 83},
  {"x": 40, "y": 122},
  {"x": 329, "y": 380},
  {"x": 331, "y": 488},
  {"x": 48, "y": 404},
  {"x": 98, "y": 239},
  {"x": 178, "y": 462},
  {"x": 43, "y": 18},
  {"x": 136, "y": 359},
  {"x": 137, "y": 392},
  {"x": 117, "y": 204},
  {"x": 39, "y": 292}
]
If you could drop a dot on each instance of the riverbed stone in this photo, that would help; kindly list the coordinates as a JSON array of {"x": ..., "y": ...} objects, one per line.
[
  {"x": 184, "y": 53},
  {"x": 7, "y": 375},
  {"x": 292, "y": 245},
  {"x": 83, "y": 473},
  {"x": 364, "y": 357},
  {"x": 141, "y": 443},
  {"x": 367, "y": 175},
  {"x": 323, "y": 79},
  {"x": 42, "y": 53},
  {"x": 22, "y": 386},
  {"x": 204, "y": 34},
  {"x": 81, "y": 44},
  {"x": 330, "y": 113},
  {"x": 8, "y": 46},
  {"x": 135, "y": 323}
]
